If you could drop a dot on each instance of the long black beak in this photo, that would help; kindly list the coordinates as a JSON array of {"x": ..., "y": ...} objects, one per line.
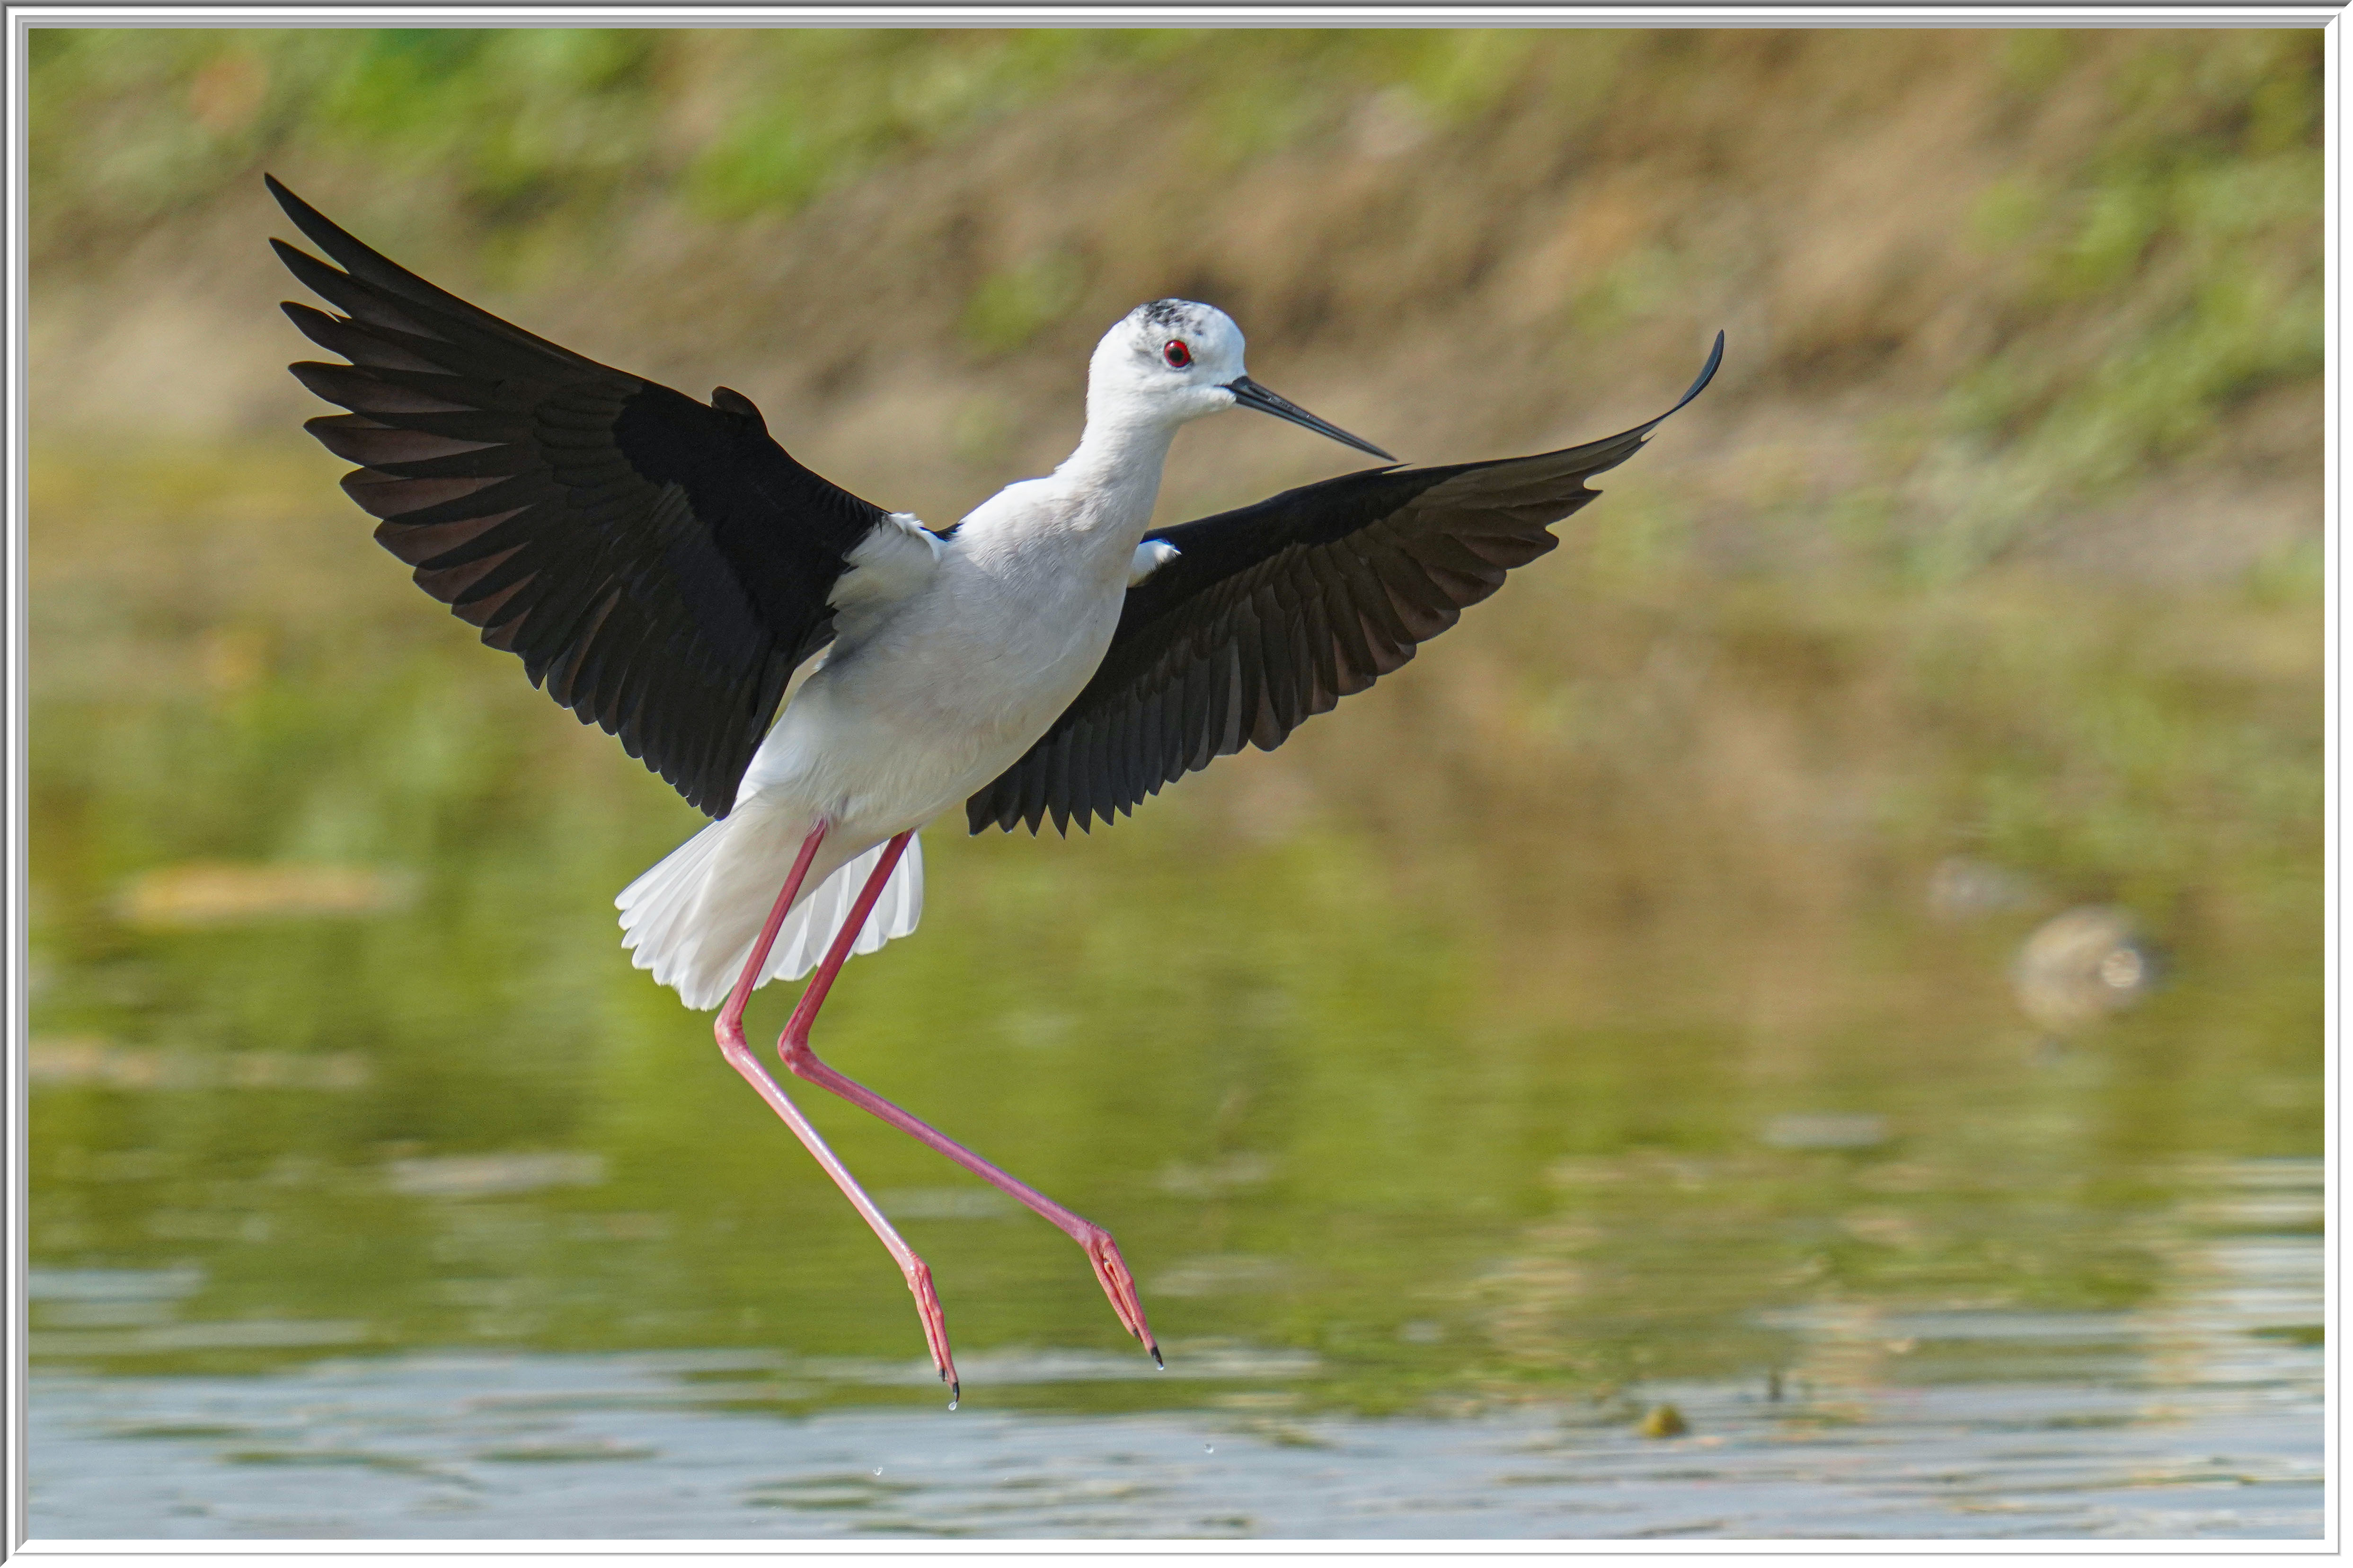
[{"x": 1251, "y": 395}]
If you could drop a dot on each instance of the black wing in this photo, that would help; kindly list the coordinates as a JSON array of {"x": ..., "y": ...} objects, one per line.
[
  {"x": 659, "y": 564},
  {"x": 1271, "y": 614}
]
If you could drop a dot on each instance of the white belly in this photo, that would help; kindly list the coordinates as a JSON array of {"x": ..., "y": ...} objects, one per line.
[{"x": 939, "y": 698}]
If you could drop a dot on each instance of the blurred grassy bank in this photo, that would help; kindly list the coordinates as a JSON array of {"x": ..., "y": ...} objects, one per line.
[
  {"x": 1994, "y": 556},
  {"x": 2047, "y": 263},
  {"x": 1999, "y": 535}
]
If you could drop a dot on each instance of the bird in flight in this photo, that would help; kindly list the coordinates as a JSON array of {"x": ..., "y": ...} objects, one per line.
[{"x": 663, "y": 568}]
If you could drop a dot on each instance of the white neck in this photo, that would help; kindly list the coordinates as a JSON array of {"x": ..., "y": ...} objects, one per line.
[{"x": 1116, "y": 468}]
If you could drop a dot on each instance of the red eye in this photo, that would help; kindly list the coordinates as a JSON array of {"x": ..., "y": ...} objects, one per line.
[{"x": 1178, "y": 355}]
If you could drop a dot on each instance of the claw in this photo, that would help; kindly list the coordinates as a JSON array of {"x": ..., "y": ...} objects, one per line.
[
  {"x": 1111, "y": 1273},
  {"x": 935, "y": 1328}
]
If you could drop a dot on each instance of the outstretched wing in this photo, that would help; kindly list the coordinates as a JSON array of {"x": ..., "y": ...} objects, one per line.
[
  {"x": 659, "y": 564},
  {"x": 1271, "y": 614}
]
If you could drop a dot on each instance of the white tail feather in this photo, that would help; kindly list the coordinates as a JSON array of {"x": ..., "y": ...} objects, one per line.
[
  {"x": 817, "y": 920},
  {"x": 692, "y": 918}
]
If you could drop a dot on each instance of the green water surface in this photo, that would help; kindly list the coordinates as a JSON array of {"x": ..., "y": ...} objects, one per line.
[{"x": 1565, "y": 1015}]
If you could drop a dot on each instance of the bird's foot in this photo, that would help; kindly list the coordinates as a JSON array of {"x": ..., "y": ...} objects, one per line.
[
  {"x": 935, "y": 1327},
  {"x": 1110, "y": 1272}
]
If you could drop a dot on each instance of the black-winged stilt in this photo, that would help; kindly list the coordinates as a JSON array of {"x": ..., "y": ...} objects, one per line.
[{"x": 662, "y": 567}]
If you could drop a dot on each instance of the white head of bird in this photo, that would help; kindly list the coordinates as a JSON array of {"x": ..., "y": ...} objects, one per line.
[
  {"x": 1173, "y": 360},
  {"x": 1168, "y": 361}
]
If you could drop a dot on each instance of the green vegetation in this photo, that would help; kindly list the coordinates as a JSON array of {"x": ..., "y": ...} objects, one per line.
[
  {"x": 532, "y": 126},
  {"x": 2173, "y": 274},
  {"x": 1009, "y": 307}
]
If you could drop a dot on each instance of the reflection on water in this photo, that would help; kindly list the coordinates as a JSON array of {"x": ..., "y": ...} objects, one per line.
[
  {"x": 1601, "y": 1015},
  {"x": 2198, "y": 1414}
]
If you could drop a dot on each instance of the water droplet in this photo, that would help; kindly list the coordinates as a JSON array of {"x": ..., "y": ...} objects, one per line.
[
  {"x": 954, "y": 1400},
  {"x": 1209, "y": 1447},
  {"x": 878, "y": 1469}
]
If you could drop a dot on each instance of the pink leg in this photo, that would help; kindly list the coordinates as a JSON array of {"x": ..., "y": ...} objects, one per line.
[
  {"x": 802, "y": 1062},
  {"x": 730, "y": 1030}
]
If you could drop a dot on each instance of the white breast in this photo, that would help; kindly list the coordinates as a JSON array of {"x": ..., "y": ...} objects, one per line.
[{"x": 928, "y": 694}]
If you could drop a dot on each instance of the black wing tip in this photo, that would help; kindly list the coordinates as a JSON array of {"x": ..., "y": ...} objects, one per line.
[
  {"x": 981, "y": 812},
  {"x": 1698, "y": 385},
  {"x": 1639, "y": 436},
  {"x": 311, "y": 320},
  {"x": 1707, "y": 370},
  {"x": 355, "y": 256},
  {"x": 307, "y": 219}
]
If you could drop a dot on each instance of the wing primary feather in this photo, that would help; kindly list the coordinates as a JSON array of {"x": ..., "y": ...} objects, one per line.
[
  {"x": 1058, "y": 788},
  {"x": 1110, "y": 761},
  {"x": 1322, "y": 642},
  {"x": 1223, "y": 680},
  {"x": 361, "y": 345},
  {"x": 1368, "y": 597},
  {"x": 1034, "y": 813},
  {"x": 360, "y": 262},
  {"x": 1164, "y": 733},
  {"x": 1354, "y": 664},
  {"x": 1136, "y": 763},
  {"x": 1029, "y": 804},
  {"x": 364, "y": 392},
  {"x": 589, "y": 653},
  {"x": 1086, "y": 770},
  {"x": 346, "y": 293},
  {"x": 1194, "y": 716},
  {"x": 1060, "y": 811},
  {"x": 1276, "y": 671},
  {"x": 621, "y": 685},
  {"x": 452, "y": 543},
  {"x": 1249, "y": 662},
  {"x": 1111, "y": 773},
  {"x": 631, "y": 720},
  {"x": 659, "y": 565}
]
